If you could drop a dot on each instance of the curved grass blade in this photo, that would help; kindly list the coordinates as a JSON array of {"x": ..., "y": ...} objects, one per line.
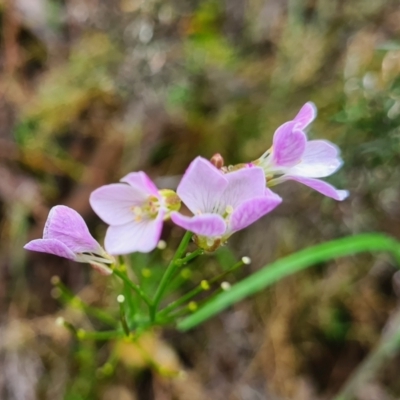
[{"x": 279, "y": 269}]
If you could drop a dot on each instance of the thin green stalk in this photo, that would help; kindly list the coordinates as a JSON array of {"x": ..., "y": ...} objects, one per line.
[
  {"x": 108, "y": 368},
  {"x": 191, "y": 256},
  {"x": 130, "y": 302},
  {"x": 133, "y": 286},
  {"x": 122, "y": 314},
  {"x": 105, "y": 335},
  {"x": 169, "y": 273},
  {"x": 67, "y": 325},
  {"x": 203, "y": 286},
  {"x": 182, "y": 300}
]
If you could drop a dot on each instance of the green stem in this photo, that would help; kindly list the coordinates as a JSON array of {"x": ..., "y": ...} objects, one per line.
[
  {"x": 108, "y": 368},
  {"x": 199, "y": 289},
  {"x": 191, "y": 256},
  {"x": 105, "y": 335},
  {"x": 169, "y": 273},
  {"x": 122, "y": 314},
  {"x": 177, "y": 303},
  {"x": 130, "y": 302},
  {"x": 133, "y": 286},
  {"x": 70, "y": 327}
]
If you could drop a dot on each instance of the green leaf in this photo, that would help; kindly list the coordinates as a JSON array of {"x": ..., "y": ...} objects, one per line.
[{"x": 289, "y": 265}]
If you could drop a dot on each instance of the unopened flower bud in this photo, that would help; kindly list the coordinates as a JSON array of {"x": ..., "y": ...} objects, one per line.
[
  {"x": 161, "y": 245},
  {"x": 217, "y": 160},
  {"x": 81, "y": 334},
  {"x": 225, "y": 286},
  {"x": 146, "y": 272},
  {"x": 205, "y": 285},
  {"x": 55, "y": 280},
  {"x": 246, "y": 260}
]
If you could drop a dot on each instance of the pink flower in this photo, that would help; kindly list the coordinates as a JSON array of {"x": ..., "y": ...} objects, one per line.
[
  {"x": 293, "y": 157},
  {"x": 222, "y": 203},
  {"x": 135, "y": 211},
  {"x": 66, "y": 235}
]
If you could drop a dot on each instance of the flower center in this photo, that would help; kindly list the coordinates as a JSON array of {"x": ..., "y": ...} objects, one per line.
[{"x": 148, "y": 210}]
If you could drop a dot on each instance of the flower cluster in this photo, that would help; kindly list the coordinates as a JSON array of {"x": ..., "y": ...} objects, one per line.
[
  {"x": 293, "y": 157},
  {"x": 222, "y": 200}
]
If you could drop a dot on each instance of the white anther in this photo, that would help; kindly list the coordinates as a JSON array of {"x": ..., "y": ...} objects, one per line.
[
  {"x": 225, "y": 286},
  {"x": 120, "y": 298}
]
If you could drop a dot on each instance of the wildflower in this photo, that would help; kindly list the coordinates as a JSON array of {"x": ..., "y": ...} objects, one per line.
[
  {"x": 66, "y": 235},
  {"x": 222, "y": 203},
  {"x": 292, "y": 157},
  {"x": 135, "y": 211}
]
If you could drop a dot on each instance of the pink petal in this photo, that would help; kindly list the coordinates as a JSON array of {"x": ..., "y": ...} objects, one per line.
[
  {"x": 141, "y": 183},
  {"x": 252, "y": 210},
  {"x": 243, "y": 184},
  {"x": 205, "y": 224},
  {"x": 321, "y": 158},
  {"x": 201, "y": 186},
  {"x": 306, "y": 115},
  {"x": 65, "y": 225},
  {"x": 113, "y": 203},
  {"x": 134, "y": 236},
  {"x": 51, "y": 246},
  {"x": 320, "y": 186},
  {"x": 289, "y": 144}
]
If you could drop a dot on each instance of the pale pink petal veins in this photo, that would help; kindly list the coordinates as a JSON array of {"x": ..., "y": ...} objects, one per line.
[
  {"x": 320, "y": 186},
  {"x": 113, "y": 203},
  {"x": 306, "y": 115},
  {"x": 141, "y": 183},
  {"x": 321, "y": 158},
  {"x": 205, "y": 224},
  {"x": 201, "y": 186},
  {"x": 134, "y": 236},
  {"x": 68, "y": 227},
  {"x": 51, "y": 246},
  {"x": 243, "y": 184},
  {"x": 289, "y": 144},
  {"x": 252, "y": 210}
]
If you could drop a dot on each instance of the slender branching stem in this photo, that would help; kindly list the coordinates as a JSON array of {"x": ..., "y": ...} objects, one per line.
[
  {"x": 203, "y": 286},
  {"x": 189, "y": 257},
  {"x": 122, "y": 314},
  {"x": 133, "y": 286},
  {"x": 169, "y": 273},
  {"x": 104, "y": 335}
]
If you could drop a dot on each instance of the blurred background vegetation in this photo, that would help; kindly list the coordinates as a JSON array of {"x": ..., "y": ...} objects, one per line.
[{"x": 93, "y": 89}]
